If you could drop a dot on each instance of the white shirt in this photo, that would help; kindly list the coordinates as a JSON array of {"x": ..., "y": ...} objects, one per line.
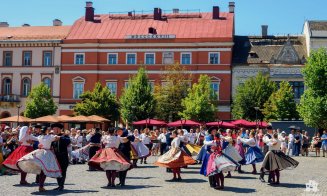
[
  {"x": 88, "y": 137},
  {"x": 162, "y": 138},
  {"x": 251, "y": 142},
  {"x": 183, "y": 139},
  {"x": 145, "y": 139},
  {"x": 26, "y": 138},
  {"x": 290, "y": 138},
  {"x": 112, "y": 141},
  {"x": 77, "y": 140},
  {"x": 46, "y": 140},
  {"x": 266, "y": 139},
  {"x": 274, "y": 147},
  {"x": 192, "y": 137},
  {"x": 176, "y": 142}
]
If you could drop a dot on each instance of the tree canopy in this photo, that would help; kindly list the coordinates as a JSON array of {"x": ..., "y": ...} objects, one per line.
[
  {"x": 40, "y": 102},
  {"x": 100, "y": 102},
  {"x": 313, "y": 104},
  {"x": 137, "y": 101},
  {"x": 253, "y": 93},
  {"x": 201, "y": 101},
  {"x": 281, "y": 104},
  {"x": 170, "y": 94}
]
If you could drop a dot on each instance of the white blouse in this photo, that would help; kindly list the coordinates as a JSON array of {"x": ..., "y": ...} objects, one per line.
[
  {"x": 251, "y": 142},
  {"x": 145, "y": 139},
  {"x": 176, "y": 142},
  {"x": 276, "y": 146},
  {"x": 27, "y": 138},
  {"x": 46, "y": 140},
  {"x": 112, "y": 141}
]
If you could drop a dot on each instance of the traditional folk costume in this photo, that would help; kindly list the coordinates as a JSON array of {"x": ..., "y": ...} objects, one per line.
[
  {"x": 110, "y": 159},
  {"x": 140, "y": 149},
  {"x": 61, "y": 152},
  {"x": 240, "y": 150},
  {"x": 95, "y": 145},
  {"x": 175, "y": 158},
  {"x": 266, "y": 139},
  {"x": 125, "y": 148},
  {"x": 24, "y": 149},
  {"x": 230, "y": 151},
  {"x": 275, "y": 160},
  {"x": 146, "y": 140},
  {"x": 253, "y": 154}
]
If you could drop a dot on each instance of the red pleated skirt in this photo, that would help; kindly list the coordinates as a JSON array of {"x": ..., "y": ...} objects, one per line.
[{"x": 11, "y": 161}]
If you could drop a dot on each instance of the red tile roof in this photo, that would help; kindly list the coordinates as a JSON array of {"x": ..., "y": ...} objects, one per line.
[
  {"x": 34, "y": 33},
  {"x": 117, "y": 27}
]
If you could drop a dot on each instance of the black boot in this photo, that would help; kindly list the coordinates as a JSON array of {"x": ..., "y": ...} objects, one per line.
[
  {"x": 262, "y": 175},
  {"x": 212, "y": 181}
]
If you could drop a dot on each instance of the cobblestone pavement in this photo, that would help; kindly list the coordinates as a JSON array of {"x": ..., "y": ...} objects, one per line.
[{"x": 151, "y": 180}]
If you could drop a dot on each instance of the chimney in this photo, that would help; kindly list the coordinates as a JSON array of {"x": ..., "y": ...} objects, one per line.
[
  {"x": 4, "y": 24},
  {"x": 26, "y": 25},
  {"x": 157, "y": 14},
  {"x": 231, "y": 7},
  {"x": 215, "y": 12},
  {"x": 57, "y": 22},
  {"x": 175, "y": 11},
  {"x": 89, "y": 11},
  {"x": 152, "y": 31},
  {"x": 130, "y": 14},
  {"x": 264, "y": 30}
]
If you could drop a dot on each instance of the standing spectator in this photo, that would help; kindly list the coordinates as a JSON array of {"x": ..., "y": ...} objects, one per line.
[
  {"x": 163, "y": 141},
  {"x": 290, "y": 143},
  {"x": 145, "y": 138},
  {"x": 324, "y": 143},
  {"x": 191, "y": 136},
  {"x": 305, "y": 144},
  {"x": 317, "y": 143},
  {"x": 261, "y": 144},
  {"x": 283, "y": 140},
  {"x": 297, "y": 143}
]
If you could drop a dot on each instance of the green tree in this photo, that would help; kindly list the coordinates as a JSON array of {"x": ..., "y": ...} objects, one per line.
[
  {"x": 100, "y": 102},
  {"x": 281, "y": 104},
  {"x": 254, "y": 93},
  {"x": 40, "y": 102},
  {"x": 169, "y": 96},
  {"x": 137, "y": 101},
  {"x": 313, "y": 104},
  {"x": 201, "y": 101}
]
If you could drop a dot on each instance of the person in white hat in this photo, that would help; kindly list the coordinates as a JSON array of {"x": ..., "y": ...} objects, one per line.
[{"x": 283, "y": 139}]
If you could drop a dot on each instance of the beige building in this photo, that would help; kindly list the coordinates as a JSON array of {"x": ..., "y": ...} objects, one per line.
[
  {"x": 315, "y": 32},
  {"x": 280, "y": 57},
  {"x": 28, "y": 56}
]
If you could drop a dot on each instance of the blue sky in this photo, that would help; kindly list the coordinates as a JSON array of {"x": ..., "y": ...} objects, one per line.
[{"x": 282, "y": 16}]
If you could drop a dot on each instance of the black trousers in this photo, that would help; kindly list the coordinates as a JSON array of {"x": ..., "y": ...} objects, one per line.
[
  {"x": 93, "y": 150},
  {"x": 61, "y": 181},
  {"x": 122, "y": 174},
  {"x": 163, "y": 147}
]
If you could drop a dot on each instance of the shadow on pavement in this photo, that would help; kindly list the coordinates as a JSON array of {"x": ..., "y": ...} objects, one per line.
[
  {"x": 53, "y": 192},
  {"x": 238, "y": 190},
  {"x": 145, "y": 178},
  {"x": 129, "y": 187},
  {"x": 290, "y": 185},
  {"x": 245, "y": 177},
  {"x": 36, "y": 185},
  {"x": 146, "y": 166},
  {"x": 190, "y": 172},
  {"x": 190, "y": 180}
]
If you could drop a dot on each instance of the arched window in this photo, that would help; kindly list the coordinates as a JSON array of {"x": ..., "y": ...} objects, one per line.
[
  {"x": 6, "y": 87},
  {"x": 47, "y": 82},
  {"x": 26, "y": 87}
]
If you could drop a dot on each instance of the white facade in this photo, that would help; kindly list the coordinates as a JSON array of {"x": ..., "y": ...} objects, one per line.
[
  {"x": 36, "y": 72},
  {"x": 315, "y": 37}
]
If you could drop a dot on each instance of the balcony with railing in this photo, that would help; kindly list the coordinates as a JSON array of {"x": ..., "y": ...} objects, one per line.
[{"x": 9, "y": 98}]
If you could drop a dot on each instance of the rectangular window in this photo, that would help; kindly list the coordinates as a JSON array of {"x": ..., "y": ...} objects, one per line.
[
  {"x": 168, "y": 58},
  {"x": 79, "y": 59},
  {"x": 47, "y": 58},
  {"x": 112, "y": 86},
  {"x": 150, "y": 59},
  {"x": 186, "y": 58},
  {"x": 214, "y": 58},
  {"x": 151, "y": 86},
  {"x": 7, "y": 58},
  {"x": 126, "y": 85},
  {"x": 27, "y": 58},
  {"x": 298, "y": 88},
  {"x": 131, "y": 58},
  {"x": 112, "y": 59},
  {"x": 215, "y": 87},
  {"x": 78, "y": 89}
]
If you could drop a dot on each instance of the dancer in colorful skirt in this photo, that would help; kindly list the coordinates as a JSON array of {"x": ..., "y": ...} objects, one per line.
[
  {"x": 219, "y": 163},
  {"x": 208, "y": 142},
  {"x": 254, "y": 154},
  {"x": 110, "y": 159},
  {"x": 41, "y": 161},
  {"x": 25, "y": 140},
  {"x": 230, "y": 150},
  {"x": 175, "y": 158},
  {"x": 275, "y": 160},
  {"x": 266, "y": 139},
  {"x": 240, "y": 150}
]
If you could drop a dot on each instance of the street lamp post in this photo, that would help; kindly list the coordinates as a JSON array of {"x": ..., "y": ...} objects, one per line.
[
  {"x": 256, "y": 116},
  {"x": 18, "y": 108}
]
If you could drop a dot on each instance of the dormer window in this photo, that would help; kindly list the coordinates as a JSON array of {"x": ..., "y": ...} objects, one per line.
[
  {"x": 253, "y": 54},
  {"x": 152, "y": 31}
]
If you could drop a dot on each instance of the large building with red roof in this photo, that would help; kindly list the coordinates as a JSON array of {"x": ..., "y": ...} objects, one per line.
[{"x": 111, "y": 47}]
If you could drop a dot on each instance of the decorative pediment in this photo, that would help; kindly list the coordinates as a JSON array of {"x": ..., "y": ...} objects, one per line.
[
  {"x": 214, "y": 78},
  {"x": 287, "y": 55},
  {"x": 78, "y": 79}
]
